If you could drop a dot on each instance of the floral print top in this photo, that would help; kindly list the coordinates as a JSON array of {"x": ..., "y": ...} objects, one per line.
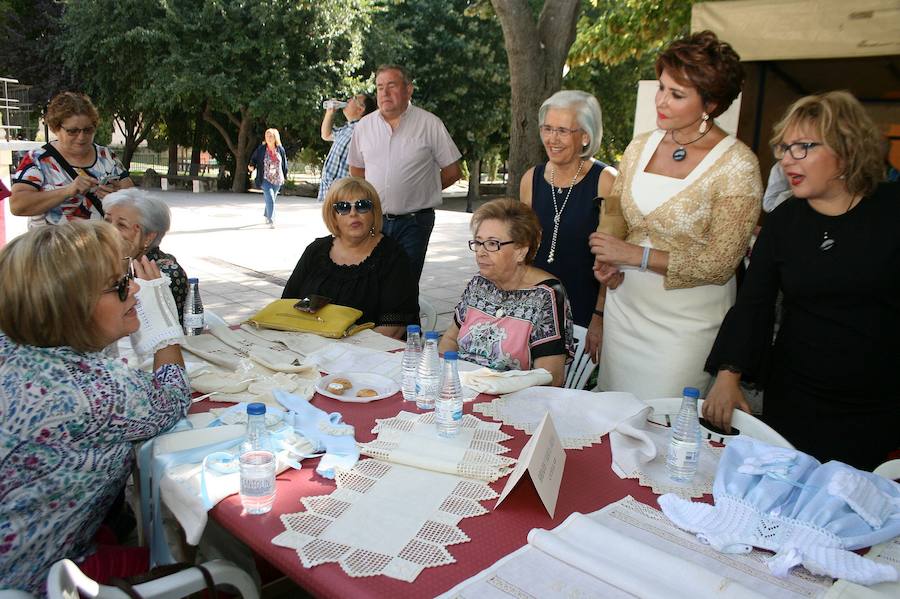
[
  {"x": 509, "y": 330},
  {"x": 67, "y": 423}
]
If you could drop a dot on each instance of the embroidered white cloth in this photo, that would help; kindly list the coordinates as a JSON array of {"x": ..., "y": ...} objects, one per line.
[
  {"x": 412, "y": 439},
  {"x": 343, "y": 357},
  {"x": 307, "y": 343},
  {"x": 485, "y": 380},
  {"x": 884, "y": 553},
  {"x": 581, "y": 417},
  {"x": 639, "y": 451},
  {"x": 385, "y": 519},
  {"x": 629, "y": 549}
]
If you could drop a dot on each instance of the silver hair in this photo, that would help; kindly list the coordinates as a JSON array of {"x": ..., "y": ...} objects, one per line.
[
  {"x": 154, "y": 215},
  {"x": 587, "y": 113}
]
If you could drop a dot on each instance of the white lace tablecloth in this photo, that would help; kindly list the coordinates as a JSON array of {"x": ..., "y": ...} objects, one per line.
[
  {"x": 306, "y": 343},
  {"x": 412, "y": 439},
  {"x": 629, "y": 549},
  {"x": 385, "y": 519},
  {"x": 581, "y": 417},
  {"x": 344, "y": 357}
]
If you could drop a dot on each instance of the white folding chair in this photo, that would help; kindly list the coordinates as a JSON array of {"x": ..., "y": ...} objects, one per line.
[
  {"x": 427, "y": 315},
  {"x": 889, "y": 470},
  {"x": 66, "y": 581},
  {"x": 580, "y": 369},
  {"x": 665, "y": 410}
]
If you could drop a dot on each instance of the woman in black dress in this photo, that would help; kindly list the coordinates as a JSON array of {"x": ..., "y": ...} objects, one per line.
[
  {"x": 833, "y": 251},
  {"x": 357, "y": 265}
]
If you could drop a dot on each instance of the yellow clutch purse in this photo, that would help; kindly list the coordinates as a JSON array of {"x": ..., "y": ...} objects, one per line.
[{"x": 332, "y": 320}]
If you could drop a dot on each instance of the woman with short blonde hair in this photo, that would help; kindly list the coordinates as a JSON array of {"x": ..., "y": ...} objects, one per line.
[
  {"x": 269, "y": 161},
  {"x": 357, "y": 265},
  {"x": 69, "y": 414}
]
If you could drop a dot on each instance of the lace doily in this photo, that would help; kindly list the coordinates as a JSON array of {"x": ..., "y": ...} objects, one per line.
[
  {"x": 384, "y": 519},
  {"x": 581, "y": 418},
  {"x": 412, "y": 439}
]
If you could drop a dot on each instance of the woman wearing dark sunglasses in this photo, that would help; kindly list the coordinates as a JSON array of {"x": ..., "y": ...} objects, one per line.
[
  {"x": 357, "y": 265},
  {"x": 67, "y": 178},
  {"x": 69, "y": 414}
]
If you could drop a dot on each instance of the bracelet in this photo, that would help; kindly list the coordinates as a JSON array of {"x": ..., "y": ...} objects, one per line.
[
  {"x": 598, "y": 312},
  {"x": 646, "y": 258}
]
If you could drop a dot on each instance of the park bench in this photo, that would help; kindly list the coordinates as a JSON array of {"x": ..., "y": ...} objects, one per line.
[{"x": 197, "y": 184}]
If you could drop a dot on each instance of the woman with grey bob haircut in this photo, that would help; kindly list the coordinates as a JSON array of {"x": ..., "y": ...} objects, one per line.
[
  {"x": 562, "y": 193},
  {"x": 143, "y": 220}
]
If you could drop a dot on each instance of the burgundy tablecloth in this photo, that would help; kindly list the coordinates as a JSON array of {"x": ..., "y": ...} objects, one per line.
[{"x": 587, "y": 485}]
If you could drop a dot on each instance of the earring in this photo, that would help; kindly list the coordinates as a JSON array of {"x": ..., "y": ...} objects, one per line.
[
  {"x": 372, "y": 231},
  {"x": 704, "y": 123}
]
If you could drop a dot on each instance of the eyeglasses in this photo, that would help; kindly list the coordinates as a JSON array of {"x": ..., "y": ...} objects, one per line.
[
  {"x": 798, "y": 150},
  {"x": 75, "y": 131},
  {"x": 362, "y": 207},
  {"x": 491, "y": 245},
  {"x": 547, "y": 131},
  {"x": 121, "y": 286}
]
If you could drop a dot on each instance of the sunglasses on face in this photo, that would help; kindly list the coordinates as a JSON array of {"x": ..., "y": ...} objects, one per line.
[
  {"x": 74, "y": 131},
  {"x": 362, "y": 207},
  {"x": 121, "y": 286}
]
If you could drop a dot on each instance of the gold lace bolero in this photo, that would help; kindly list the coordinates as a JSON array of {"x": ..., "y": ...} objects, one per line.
[{"x": 706, "y": 227}]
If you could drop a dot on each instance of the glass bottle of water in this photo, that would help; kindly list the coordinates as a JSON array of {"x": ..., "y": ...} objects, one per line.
[
  {"x": 410, "y": 363},
  {"x": 448, "y": 409},
  {"x": 193, "y": 309},
  {"x": 684, "y": 445},
  {"x": 257, "y": 460},
  {"x": 428, "y": 375}
]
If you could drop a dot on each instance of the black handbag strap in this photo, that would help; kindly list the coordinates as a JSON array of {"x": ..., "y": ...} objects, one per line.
[
  {"x": 70, "y": 170},
  {"x": 128, "y": 588}
]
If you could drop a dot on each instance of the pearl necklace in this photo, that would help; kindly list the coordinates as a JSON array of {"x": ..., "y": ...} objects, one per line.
[{"x": 557, "y": 210}]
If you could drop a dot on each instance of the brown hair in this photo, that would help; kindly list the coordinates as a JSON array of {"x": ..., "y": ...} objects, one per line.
[
  {"x": 68, "y": 104},
  {"x": 51, "y": 279},
  {"x": 702, "y": 61},
  {"x": 524, "y": 227},
  {"x": 841, "y": 123},
  {"x": 349, "y": 189}
]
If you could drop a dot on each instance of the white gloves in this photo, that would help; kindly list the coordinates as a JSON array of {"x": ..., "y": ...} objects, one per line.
[{"x": 158, "y": 315}]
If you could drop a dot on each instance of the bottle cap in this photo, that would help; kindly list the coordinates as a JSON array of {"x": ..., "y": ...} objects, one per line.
[
  {"x": 432, "y": 335},
  {"x": 256, "y": 409},
  {"x": 691, "y": 392},
  {"x": 193, "y": 280},
  {"x": 450, "y": 355},
  {"x": 413, "y": 328}
]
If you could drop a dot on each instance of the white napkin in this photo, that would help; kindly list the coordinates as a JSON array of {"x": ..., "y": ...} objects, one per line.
[
  {"x": 341, "y": 357},
  {"x": 495, "y": 382}
]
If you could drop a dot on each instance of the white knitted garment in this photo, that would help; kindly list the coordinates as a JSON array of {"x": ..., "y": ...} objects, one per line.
[{"x": 158, "y": 315}]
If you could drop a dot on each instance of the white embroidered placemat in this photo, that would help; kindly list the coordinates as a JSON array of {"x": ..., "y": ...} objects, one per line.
[
  {"x": 306, "y": 343},
  {"x": 412, "y": 439},
  {"x": 581, "y": 417},
  {"x": 343, "y": 357},
  {"x": 385, "y": 519}
]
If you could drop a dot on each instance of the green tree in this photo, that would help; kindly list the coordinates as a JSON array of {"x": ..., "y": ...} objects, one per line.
[
  {"x": 256, "y": 64},
  {"x": 459, "y": 69}
]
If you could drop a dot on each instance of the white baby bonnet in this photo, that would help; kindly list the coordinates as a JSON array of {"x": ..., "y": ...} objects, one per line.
[{"x": 785, "y": 501}]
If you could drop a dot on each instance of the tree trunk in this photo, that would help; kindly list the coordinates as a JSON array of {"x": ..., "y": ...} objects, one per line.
[
  {"x": 473, "y": 196},
  {"x": 245, "y": 145},
  {"x": 173, "y": 157},
  {"x": 195, "y": 144},
  {"x": 135, "y": 128},
  {"x": 536, "y": 53}
]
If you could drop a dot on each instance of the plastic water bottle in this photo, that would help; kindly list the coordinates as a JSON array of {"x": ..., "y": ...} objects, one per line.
[
  {"x": 410, "y": 363},
  {"x": 428, "y": 375},
  {"x": 448, "y": 409},
  {"x": 193, "y": 309},
  {"x": 336, "y": 104},
  {"x": 257, "y": 459},
  {"x": 684, "y": 445}
]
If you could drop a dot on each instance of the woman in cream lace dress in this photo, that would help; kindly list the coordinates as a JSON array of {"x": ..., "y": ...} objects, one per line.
[{"x": 691, "y": 196}]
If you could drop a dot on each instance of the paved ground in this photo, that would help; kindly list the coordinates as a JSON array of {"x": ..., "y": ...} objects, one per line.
[{"x": 242, "y": 264}]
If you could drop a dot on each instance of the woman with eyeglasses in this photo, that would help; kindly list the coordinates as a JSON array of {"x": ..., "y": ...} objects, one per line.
[
  {"x": 69, "y": 414},
  {"x": 562, "y": 193},
  {"x": 512, "y": 315},
  {"x": 143, "y": 220},
  {"x": 270, "y": 163},
  {"x": 690, "y": 194},
  {"x": 357, "y": 265},
  {"x": 67, "y": 178},
  {"x": 830, "y": 377}
]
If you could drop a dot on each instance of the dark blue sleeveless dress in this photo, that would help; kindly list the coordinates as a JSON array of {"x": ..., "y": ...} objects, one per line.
[{"x": 573, "y": 262}]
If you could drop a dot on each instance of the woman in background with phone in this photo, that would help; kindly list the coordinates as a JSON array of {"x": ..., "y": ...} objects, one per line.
[
  {"x": 357, "y": 265},
  {"x": 68, "y": 178}
]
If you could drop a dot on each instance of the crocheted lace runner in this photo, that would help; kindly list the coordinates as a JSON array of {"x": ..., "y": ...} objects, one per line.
[
  {"x": 385, "y": 519},
  {"x": 581, "y": 417},
  {"x": 412, "y": 439}
]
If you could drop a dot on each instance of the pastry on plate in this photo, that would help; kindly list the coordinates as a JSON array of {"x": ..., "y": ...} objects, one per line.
[
  {"x": 366, "y": 393},
  {"x": 345, "y": 383},
  {"x": 335, "y": 388}
]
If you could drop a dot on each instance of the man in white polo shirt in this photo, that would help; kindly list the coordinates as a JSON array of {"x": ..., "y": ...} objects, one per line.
[{"x": 407, "y": 154}]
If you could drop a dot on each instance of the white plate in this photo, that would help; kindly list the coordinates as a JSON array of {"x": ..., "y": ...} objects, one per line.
[{"x": 361, "y": 380}]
